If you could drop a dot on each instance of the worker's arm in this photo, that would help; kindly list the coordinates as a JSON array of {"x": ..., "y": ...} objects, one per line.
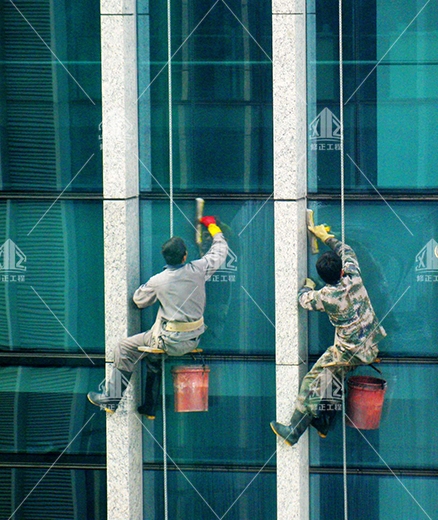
[
  {"x": 308, "y": 298},
  {"x": 217, "y": 254},
  {"x": 351, "y": 264},
  {"x": 145, "y": 295}
]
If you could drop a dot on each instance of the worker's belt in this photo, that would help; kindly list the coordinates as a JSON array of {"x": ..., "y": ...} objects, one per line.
[{"x": 184, "y": 326}]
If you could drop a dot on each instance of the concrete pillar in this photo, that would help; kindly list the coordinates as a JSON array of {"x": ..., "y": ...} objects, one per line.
[
  {"x": 121, "y": 244},
  {"x": 290, "y": 137}
]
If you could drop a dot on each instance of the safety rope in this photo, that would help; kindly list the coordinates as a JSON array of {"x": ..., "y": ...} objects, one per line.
[
  {"x": 163, "y": 392},
  {"x": 344, "y": 447},
  {"x": 341, "y": 119},
  {"x": 163, "y": 371},
  {"x": 169, "y": 75}
]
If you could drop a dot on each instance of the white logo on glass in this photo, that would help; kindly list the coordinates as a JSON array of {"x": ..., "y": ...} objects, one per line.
[
  {"x": 427, "y": 258},
  {"x": 325, "y": 127},
  {"x": 230, "y": 263},
  {"x": 11, "y": 257}
]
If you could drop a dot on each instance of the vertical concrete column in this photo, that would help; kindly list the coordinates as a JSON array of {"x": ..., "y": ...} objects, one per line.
[
  {"x": 121, "y": 239},
  {"x": 290, "y": 136}
]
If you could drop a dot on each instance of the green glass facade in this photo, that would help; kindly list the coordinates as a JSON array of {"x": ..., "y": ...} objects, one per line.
[
  {"x": 52, "y": 443},
  {"x": 390, "y": 182},
  {"x": 218, "y": 103},
  {"x": 216, "y": 108}
]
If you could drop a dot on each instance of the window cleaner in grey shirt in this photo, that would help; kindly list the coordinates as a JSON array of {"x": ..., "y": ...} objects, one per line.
[{"x": 180, "y": 290}]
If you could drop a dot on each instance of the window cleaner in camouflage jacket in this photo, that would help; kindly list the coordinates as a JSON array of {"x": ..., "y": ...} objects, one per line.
[
  {"x": 180, "y": 290},
  {"x": 357, "y": 333}
]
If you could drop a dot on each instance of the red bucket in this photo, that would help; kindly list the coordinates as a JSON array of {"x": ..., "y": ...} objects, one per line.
[
  {"x": 365, "y": 402},
  {"x": 190, "y": 386}
]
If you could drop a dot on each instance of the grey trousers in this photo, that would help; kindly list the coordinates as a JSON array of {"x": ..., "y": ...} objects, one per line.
[{"x": 126, "y": 356}]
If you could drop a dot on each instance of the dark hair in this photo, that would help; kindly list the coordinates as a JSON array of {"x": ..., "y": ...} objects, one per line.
[
  {"x": 329, "y": 267},
  {"x": 174, "y": 251}
]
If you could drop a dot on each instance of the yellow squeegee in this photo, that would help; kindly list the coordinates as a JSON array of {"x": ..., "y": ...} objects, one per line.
[{"x": 312, "y": 238}]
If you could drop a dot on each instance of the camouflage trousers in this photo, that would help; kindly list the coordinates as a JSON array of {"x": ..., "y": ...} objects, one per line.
[{"x": 321, "y": 388}]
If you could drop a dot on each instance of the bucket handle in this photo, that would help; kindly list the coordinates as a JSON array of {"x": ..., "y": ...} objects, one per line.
[{"x": 202, "y": 359}]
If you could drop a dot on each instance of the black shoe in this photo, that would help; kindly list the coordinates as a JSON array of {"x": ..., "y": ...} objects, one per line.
[
  {"x": 143, "y": 410},
  {"x": 107, "y": 403},
  {"x": 324, "y": 422},
  {"x": 152, "y": 387}
]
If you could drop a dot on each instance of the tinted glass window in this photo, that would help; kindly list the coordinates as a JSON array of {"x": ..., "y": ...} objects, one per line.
[
  {"x": 51, "y": 288},
  {"x": 221, "y": 95},
  {"x": 50, "y": 107}
]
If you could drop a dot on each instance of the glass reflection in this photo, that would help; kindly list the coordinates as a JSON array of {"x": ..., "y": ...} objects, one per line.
[
  {"x": 240, "y": 392},
  {"x": 389, "y": 99},
  {"x": 73, "y": 494},
  {"x": 50, "y": 108},
  {"x": 212, "y": 494},
  {"x": 51, "y": 291},
  {"x": 240, "y": 296},
  {"x": 45, "y": 410},
  {"x": 398, "y": 269},
  {"x": 221, "y": 97},
  {"x": 410, "y": 400}
]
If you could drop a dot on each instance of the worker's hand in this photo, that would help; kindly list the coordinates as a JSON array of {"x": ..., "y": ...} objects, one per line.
[
  {"x": 321, "y": 232},
  {"x": 308, "y": 282},
  {"x": 207, "y": 221},
  {"x": 210, "y": 223}
]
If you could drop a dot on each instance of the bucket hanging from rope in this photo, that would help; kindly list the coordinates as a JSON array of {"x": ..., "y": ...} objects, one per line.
[
  {"x": 365, "y": 402},
  {"x": 190, "y": 385}
]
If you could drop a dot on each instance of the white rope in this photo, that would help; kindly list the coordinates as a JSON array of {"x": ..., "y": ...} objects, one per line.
[
  {"x": 344, "y": 447},
  {"x": 163, "y": 371},
  {"x": 163, "y": 392},
  {"x": 169, "y": 75},
  {"x": 341, "y": 119}
]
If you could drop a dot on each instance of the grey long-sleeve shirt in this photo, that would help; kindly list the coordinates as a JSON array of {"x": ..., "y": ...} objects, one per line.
[{"x": 181, "y": 290}]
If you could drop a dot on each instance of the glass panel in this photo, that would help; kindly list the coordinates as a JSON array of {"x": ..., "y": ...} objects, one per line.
[
  {"x": 396, "y": 249},
  {"x": 43, "y": 410},
  {"x": 242, "y": 291},
  {"x": 383, "y": 497},
  {"x": 50, "y": 108},
  {"x": 221, "y": 93},
  {"x": 61, "y": 494},
  {"x": 411, "y": 399},
  {"x": 211, "y": 494},
  {"x": 51, "y": 289},
  {"x": 389, "y": 96},
  {"x": 242, "y": 392}
]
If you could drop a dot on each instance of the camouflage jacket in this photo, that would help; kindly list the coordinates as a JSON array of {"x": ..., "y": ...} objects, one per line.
[{"x": 348, "y": 307}]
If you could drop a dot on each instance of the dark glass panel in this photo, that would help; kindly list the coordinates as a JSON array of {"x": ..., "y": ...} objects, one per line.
[
  {"x": 51, "y": 287},
  {"x": 50, "y": 108},
  {"x": 211, "y": 494},
  {"x": 396, "y": 246},
  {"x": 62, "y": 494},
  {"x": 241, "y": 394},
  {"x": 371, "y": 496},
  {"x": 221, "y": 97},
  {"x": 389, "y": 96},
  {"x": 411, "y": 399},
  {"x": 240, "y": 296},
  {"x": 45, "y": 410}
]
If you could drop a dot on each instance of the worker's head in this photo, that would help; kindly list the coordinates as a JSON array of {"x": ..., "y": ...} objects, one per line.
[
  {"x": 329, "y": 267},
  {"x": 174, "y": 251}
]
